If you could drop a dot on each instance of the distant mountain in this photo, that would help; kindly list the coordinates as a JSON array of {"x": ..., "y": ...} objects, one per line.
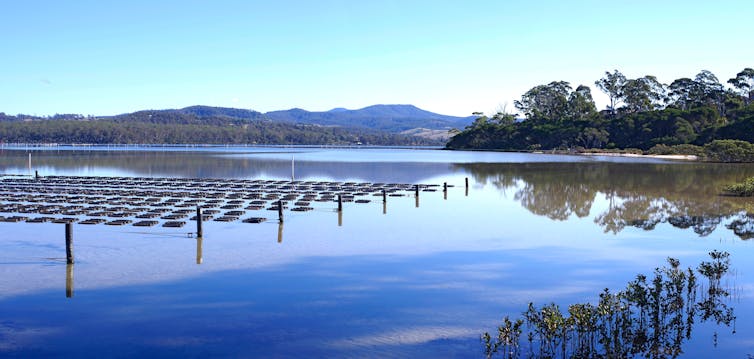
[
  {"x": 390, "y": 118},
  {"x": 184, "y": 126},
  {"x": 398, "y": 124}
]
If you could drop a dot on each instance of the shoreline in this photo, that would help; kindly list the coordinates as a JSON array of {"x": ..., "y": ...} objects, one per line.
[{"x": 634, "y": 155}]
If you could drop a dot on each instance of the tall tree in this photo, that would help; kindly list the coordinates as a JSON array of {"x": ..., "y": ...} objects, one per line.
[
  {"x": 581, "y": 104},
  {"x": 744, "y": 83},
  {"x": 712, "y": 91},
  {"x": 643, "y": 94},
  {"x": 683, "y": 93},
  {"x": 612, "y": 85},
  {"x": 546, "y": 102}
]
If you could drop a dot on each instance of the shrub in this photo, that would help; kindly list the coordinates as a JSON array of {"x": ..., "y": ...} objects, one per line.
[
  {"x": 683, "y": 149},
  {"x": 729, "y": 151}
]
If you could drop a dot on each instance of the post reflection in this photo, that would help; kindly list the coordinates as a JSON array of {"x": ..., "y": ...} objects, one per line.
[
  {"x": 384, "y": 207},
  {"x": 69, "y": 280},
  {"x": 199, "y": 250},
  {"x": 417, "y": 201},
  {"x": 340, "y": 218},
  {"x": 280, "y": 232}
]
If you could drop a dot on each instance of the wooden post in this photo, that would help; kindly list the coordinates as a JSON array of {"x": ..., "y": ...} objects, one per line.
[
  {"x": 340, "y": 203},
  {"x": 417, "y": 191},
  {"x": 36, "y": 174},
  {"x": 280, "y": 210},
  {"x": 69, "y": 243},
  {"x": 199, "y": 232},
  {"x": 69, "y": 280},
  {"x": 384, "y": 196},
  {"x": 467, "y": 186}
]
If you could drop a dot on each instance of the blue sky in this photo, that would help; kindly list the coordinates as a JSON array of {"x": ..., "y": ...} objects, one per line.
[{"x": 451, "y": 57}]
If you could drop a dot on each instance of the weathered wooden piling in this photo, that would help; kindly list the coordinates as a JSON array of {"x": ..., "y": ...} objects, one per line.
[
  {"x": 417, "y": 191},
  {"x": 280, "y": 210},
  {"x": 69, "y": 280},
  {"x": 36, "y": 174},
  {"x": 384, "y": 196},
  {"x": 467, "y": 182},
  {"x": 445, "y": 186},
  {"x": 199, "y": 232},
  {"x": 340, "y": 203},
  {"x": 69, "y": 243}
]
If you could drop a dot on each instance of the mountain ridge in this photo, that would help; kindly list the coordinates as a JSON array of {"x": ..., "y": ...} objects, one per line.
[
  {"x": 385, "y": 117},
  {"x": 390, "y": 118}
]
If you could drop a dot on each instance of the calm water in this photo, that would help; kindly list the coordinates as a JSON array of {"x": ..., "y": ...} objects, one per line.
[{"x": 409, "y": 281}]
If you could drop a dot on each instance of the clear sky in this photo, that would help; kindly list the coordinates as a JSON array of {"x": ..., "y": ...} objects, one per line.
[{"x": 452, "y": 57}]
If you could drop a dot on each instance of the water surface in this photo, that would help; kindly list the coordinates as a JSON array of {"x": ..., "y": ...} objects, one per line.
[{"x": 404, "y": 280}]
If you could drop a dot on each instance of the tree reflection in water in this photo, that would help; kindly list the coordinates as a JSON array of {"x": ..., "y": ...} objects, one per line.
[
  {"x": 638, "y": 195},
  {"x": 649, "y": 318}
]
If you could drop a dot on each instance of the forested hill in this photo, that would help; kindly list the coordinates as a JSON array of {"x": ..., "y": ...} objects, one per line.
[
  {"x": 643, "y": 113},
  {"x": 190, "y": 125},
  {"x": 390, "y": 118}
]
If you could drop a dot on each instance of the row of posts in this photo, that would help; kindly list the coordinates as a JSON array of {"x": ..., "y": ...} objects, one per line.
[{"x": 200, "y": 233}]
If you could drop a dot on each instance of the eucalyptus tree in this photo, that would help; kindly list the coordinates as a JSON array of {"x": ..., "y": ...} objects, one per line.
[
  {"x": 712, "y": 91},
  {"x": 643, "y": 94},
  {"x": 612, "y": 85},
  {"x": 683, "y": 93},
  {"x": 704, "y": 90},
  {"x": 545, "y": 102},
  {"x": 744, "y": 83}
]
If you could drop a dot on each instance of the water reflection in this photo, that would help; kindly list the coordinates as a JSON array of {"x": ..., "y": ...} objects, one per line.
[
  {"x": 69, "y": 280},
  {"x": 214, "y": 165},
  {"x": 280, "y": 232},
  {"x": 199, "y": 250},
  {"x": 637, "y": 195},
  {"x": 650, "y": 318}
]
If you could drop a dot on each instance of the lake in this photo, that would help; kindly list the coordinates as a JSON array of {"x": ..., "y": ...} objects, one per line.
[{"x": 413, "y": 278}]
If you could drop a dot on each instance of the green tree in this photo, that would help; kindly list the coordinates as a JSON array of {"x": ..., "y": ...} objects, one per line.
[
  {"x": 643, "y": 94},
  {"x": 744, "y": 83},
  {"x": 581, "y": 104},
  {"x": 545, "y": 102},
  {"x": 612, "y": 85}
]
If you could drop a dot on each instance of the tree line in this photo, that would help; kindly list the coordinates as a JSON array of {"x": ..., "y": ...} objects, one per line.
[
  {"x": 642, "y": 113},
  {"x": 172, "y": 127}
]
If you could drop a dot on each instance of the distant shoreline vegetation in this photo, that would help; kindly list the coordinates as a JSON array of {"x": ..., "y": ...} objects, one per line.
[
  {"x": 177, "y": 128},
  {"x": 698, "y": 116}
]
